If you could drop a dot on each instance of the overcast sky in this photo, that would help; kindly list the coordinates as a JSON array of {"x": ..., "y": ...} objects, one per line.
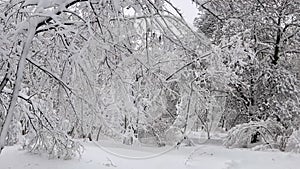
[{"x": 188, "y": 9}]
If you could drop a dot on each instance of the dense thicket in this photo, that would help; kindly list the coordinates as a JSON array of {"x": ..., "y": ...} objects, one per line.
[{"x": 268, "y": 85}]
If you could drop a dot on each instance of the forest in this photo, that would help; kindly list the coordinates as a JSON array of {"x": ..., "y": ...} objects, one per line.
[{"x": 134, "y": 71}]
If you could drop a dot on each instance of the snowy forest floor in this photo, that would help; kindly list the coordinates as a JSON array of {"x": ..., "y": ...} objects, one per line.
[{"x": 205, "y": 156}]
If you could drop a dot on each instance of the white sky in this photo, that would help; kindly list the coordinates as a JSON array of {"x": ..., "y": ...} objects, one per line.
[{"x": 188, "y": 9}]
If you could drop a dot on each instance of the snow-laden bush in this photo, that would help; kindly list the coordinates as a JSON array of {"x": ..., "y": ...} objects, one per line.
[
  {"x": 54, "y": 143},
  {"x": 251, "y": 134},
  {"x": 293, "y": 143},
  {"x": 173, "y": 135}
]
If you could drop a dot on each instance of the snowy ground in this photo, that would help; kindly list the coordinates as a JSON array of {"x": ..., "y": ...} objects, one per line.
[{"x": 199, "y": 157}]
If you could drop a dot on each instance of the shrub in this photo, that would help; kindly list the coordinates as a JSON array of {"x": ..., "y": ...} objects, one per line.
[{"x": 269, "y": 133}]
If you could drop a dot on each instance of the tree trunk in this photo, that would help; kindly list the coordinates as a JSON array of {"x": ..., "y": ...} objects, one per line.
[
  {"x": 17, "y": 86},
  {"x": 277, "y": 43}
]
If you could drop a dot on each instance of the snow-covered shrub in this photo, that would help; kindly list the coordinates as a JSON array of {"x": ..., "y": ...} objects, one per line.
[
  {"x": 293, "y": 143},
  {"x": 247, "y": 135},
  {"x": 173, "y": 135},
  {"x": 55, "y": 143}
]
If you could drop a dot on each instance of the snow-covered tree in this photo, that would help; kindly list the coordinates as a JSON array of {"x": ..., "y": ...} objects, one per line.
[
  {"x": 267, "y": 87},
  {"x": 78, "y": 69}
]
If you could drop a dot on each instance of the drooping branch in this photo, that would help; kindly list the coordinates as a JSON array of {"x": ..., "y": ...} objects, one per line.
[
  {"x": 49, "y": 73},
  {"x": 48, "y": 19},
  {"x": 193, "y": 61}
]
